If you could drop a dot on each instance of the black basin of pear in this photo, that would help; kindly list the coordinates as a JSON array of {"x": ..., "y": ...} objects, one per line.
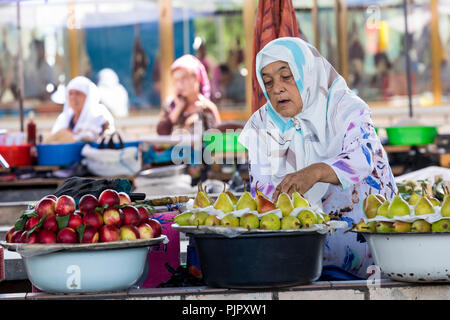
[{"x": 260, "y": 260}]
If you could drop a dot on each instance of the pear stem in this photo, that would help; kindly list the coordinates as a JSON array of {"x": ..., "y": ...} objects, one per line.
[
  {"x": 224, "y": 186},
  {"x": 390, "y": 187}
]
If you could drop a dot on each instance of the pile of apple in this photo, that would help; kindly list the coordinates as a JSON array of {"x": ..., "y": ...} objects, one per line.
[{"x": 111, "y": 217}]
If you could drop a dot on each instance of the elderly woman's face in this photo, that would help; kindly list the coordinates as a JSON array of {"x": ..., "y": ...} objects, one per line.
[
  {"x": 185, "y": 83},
  {"x": 76, "y": 100},
  {"x": 281, "y": 88}
]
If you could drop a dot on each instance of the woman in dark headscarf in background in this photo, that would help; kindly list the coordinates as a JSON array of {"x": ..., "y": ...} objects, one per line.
[{"x": 190, "y": 103}]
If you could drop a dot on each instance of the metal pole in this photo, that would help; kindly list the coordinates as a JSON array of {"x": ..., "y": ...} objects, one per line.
[
  {"x": 408, "y": 59},
  {"x": 20, "y": 68}
]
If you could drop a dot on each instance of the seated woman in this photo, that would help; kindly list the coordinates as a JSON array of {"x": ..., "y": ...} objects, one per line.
[
  {"x": 83, "y": 117},
  {"x": 316, "y": 136},
  {"x": 190, "y": 103}
]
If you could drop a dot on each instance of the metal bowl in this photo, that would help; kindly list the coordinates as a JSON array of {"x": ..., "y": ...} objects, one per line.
[
  {"x": 85, "y": 268},
  {"x": 412, "y": 257}
]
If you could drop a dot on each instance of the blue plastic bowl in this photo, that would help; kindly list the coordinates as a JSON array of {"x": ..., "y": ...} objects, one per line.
[{"x": 59, "y": 154}]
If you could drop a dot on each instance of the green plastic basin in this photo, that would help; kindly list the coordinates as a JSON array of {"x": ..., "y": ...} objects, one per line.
[{"x": 414, "y": 135}]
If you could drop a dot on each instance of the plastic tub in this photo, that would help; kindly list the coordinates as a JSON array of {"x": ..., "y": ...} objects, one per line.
[
  {"x": 85, "y": 268},
  {"x": 17, "y": 155},
  {"x": 413, "y": 135},
  {"x": 59, "y": 154},
  {"x": 412, "y": 257},
  {"x": 260, "y": 260}
]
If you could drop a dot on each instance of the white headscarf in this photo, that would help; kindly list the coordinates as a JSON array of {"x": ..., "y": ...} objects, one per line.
[
  {"x": 281, "y": 145},
  {"x": 112, "y": 94},
  {"x": 93, "y": 115}
]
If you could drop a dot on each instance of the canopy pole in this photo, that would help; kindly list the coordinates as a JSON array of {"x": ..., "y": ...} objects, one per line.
[
  {"x": 436, "y": 50},
  {"x": 166, "y": 47},
  {"x": 20, "y": 87},
  {"x": 248, "y": 15},
  {"x": 408, "y": 59}
]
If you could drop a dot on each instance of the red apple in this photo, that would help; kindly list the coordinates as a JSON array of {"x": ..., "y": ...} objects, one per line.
[
  {"x": 88, "y": 203},
  {"x": 145, "y": 231},
  {"x": 113, "y": 216},
  {"x": 145, "y": 215},
  {"x": 109, "y": 233},
  {"x": 156, "y": 226},
  {"x": 46, "y": 207},
  {"x": 32, "y": 238},
  {"x": 94, "y": 219},
  {"x": 51, "y": 196},
  {"x": 90, "y": 235},
  {"x": 67, "y": 235},
  {"x": 16, "y": 236},
  {"x": 9, "y": 235},
  {"x": 124, "y": 198},
  {"x": 46, "y": 236},
  {"x": 129, "y": 232},
  {"x": 50, "y": 223},
  {"x": 109, "y": 197},
  {"x": 65, "y": 205},
  {"x": 75, "y": 220},
  {"x": 131, "y": 215},
  {"x": 31, "y": 222}
]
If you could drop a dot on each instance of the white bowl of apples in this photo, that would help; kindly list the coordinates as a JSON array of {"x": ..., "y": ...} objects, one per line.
[{"x": 100, "y": 245}]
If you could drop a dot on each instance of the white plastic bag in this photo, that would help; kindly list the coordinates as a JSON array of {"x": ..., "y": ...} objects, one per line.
[{"x": 112, "y": 162}]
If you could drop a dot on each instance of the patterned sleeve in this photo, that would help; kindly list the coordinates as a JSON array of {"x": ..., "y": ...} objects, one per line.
[{"x": 356, "y": 160}]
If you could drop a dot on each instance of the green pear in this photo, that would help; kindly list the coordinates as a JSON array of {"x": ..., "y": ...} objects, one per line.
[
  {"x": 371, "y": 205},
  {"x": 249, "y": 220},
  {"x": 383, "y": 209},
  {"x": 212, "y": 220},
  {"x": 414, "y": 198},
  {"x": 290, "y": 222},
  {"x": 198, "y": 218},
  {"x": 384, "y": 227},
  {"x": 201, "y": 199},
  {"x": 435, "y": 202},
  {"x": 270, "y": 221},
  {"x": 398, "y": 207},
  {"x": 307, "y": 218},
  {"x": 401, "y": 226},
  {"x": 232, "y": 197},
  {"x": 420, "y": 226},
  {"x": 362, "y": 226},
  {"x": 246, "y": 201},
  {"x": 224, "y": 203},
  {"x": 445, "y": 208},
  {"x": 183, "y": 219},
  {"x": 441, "y": 225},
  {"x": 298, "y": 201},
  {"x": 284, "y": 203},
  {"x": 423, "y": 206},
  {"x": 230, "y": 220}
]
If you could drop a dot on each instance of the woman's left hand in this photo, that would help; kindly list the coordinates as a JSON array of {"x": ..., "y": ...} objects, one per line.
[{"x": 304, "y": 179}]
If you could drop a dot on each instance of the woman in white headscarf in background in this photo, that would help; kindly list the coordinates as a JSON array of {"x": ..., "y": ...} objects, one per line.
[
  {"x": 83, "y": 116},
  {"x": 316, "y": 136},
  {"x": 112, "y": 94}
]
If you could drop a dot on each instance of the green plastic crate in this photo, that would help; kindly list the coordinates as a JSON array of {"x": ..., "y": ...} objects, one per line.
[{"x": 223, "y": 142}]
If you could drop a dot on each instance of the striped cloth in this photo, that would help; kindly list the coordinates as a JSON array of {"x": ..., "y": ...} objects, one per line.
[{"x": 274, "y": 19}]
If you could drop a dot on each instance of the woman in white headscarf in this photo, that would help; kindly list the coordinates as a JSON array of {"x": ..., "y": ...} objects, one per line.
[
  {"x": 112, "y": 94},
  {"x": 314, "y": 135},
  {"x": 83, "y": 116}
]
